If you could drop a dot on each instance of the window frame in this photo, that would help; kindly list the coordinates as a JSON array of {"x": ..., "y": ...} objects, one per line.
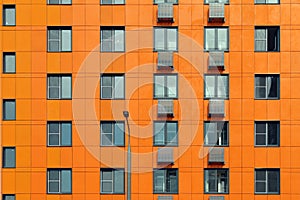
[
  {"x": 112, "y": 170},
  {"x": 174, "y": 3},
  {"x": 216, "y": 82},
  {"x": 8, "y": 195},
  {"x": 60, "y": 2},
  {"x": 60, "y": 133},
  {"x": 4, "y": 114},
  {"x": 60, "y": 39},
  {"x": 219, "y": 123},
  {"x": 216, "y": 42},
  {"x": 166, "y": 90},
  {"x": 101, "y": 3},
  {"x": 113, "y": 40},
  {"x": 60, "y": 86},
  {"x": 165, "y": 181},
  {"x": 266, "y": 76},
  {"x": 4, "y": 54},
  {"x": 277, "y": 123},
  {"x": 113, "y": 124},
  {"x": 113, "y": 86},
  {"x": 267, "y": 28},
  {"x": 8, "y": 6},
  {"x": 206, "y": 170},
  {"x": 226, "y": 3},
  {"x": 267, "y": 181},
  {"x": 166, "y": 133},
  {"x": 60, "y": 170},
  {"x": 266, "y": 3},
  {"x": 165, "y": 49},
  {"x": 4, "y": 148}
]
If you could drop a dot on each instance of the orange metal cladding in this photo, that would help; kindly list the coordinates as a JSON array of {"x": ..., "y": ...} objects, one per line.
[{"x": 29, "y": 87}]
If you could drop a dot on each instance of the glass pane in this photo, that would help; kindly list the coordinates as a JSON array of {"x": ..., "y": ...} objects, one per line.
[
  {"x": 66, "y": 137},
  {"x": 106, "y": 1},
  {"x": 119, "y": 87},
  {"x": 106, "y": 187},
  {"x": 53, "y": 127},
  {"x": 9, "y": 157},
  {"x": 211, "y": 133},
  {"x": 260, "y": 140},
  {"x": 54, "y": 93},
  {"x": 260, "y": 187},
  {"x": 119, "y": 134},
  {"x": 260, "y": 127},
  {"x": 209, "y": 86},
  {"x": 9, "y": 63},
  {"x": 119, "y": 40},
  {"x": 273, "y": 129},
  {"x": 260, "y": 92},
  {"x": 54, "y": 139},
  {"x": 119, "y": 181},
  {"x": 9, "y": 197},
  {"x": 106, "y": 127},
  {"x": 272, "y": 1},
  {"x": 209, "y": 38},
  {"x": 260, "y": 1},
  {"x": 119, "y": 1},
  {"x": 53, "y": 175},
  {"x": 159, "y": 83},
  {"x": 172, "y": 133},
  {"x": 106, "y": 92},
  {"x": 66, "y": 182},
  {"x": 222, "y": 86},
  {"x": 223, "y": 39},
  {"x": 159, "y": 39},
  {"x": 159, "y": 133},
  {"x": 106, "y": 139},
  {"x": 66, "y": 1},
  {"x": 159, "y": 181},
  {"x": 53, "y": 34},
  {"x": 260, "y": 39},
  {"x": 10, "y": 16},
  {"x": 53, "y": 1},
  {"x": 106, "y": 39},
  {"x": 9, "y": 110},
  {"x": 106, "y": 81},
  {"x": 66, "y": 40},
  {"x": 53, "y": 81},
  {"x": 172, "y": 39},
  {"x": 212, "y": 182},
  {"x": 66, "y": 82},
  {"x": 172, "y": 86},
  {"x": 106, "y": 175},
  {"x": 54, "y": 187},
  {"x": 273, "y": 181},
  {"x": 173, "y": 182},
  {"x": 272, "y": 83}
]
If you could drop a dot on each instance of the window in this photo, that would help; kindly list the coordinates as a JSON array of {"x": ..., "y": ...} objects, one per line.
[
  {"x": 216, "y": 133},
  {"x": 166, "y": 1},
  {"x": 112, "y": 39},
  {"x": 267, "y": 38},
  {"x": 112, "y": 86},
  {"x": 165, "y": 133},
  {"x": 216, "y": 180},
  {"x": 165, "y": 86},
  {"x": 112, "y": 134},
  {"x": 9, "y": 62},
  {"x": 165, "y": 181},
  {"x": 9, "y": 15},
  {"x": 216, "y": 39},
  {"x": 9, "y": 157},
  {"x": 9, "y": 197},
  {"x": 112, "y": 181},
  {"x": 267, "y": 181},
  {"x": 9, "y": 109},
  {"x": 216, "y": 1},
  {"x": 59, "y": 181},
  {"x": 112, "y": 2},
  {"x": 266, "y": 86},
  {"x": 59, "y": 134},
  {"x": 216, "y": 86},
  {"x": 59, "y": 39},
  {"x": 267, "y": 133},
  {"x": 165, "y": 39},
  {"x": 267, "y": 1},
  {"x": 55, "y": 2},
  {"x": 59, "y": 86}
]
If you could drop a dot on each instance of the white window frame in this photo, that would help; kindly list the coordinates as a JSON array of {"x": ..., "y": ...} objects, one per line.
[
  {"x": 114, "y": 89},
  {"x": 166, "y": 45},
  {"x": 113, "y": 2},
  {"x": 60, "y": 2},
  {"x": 5, "y": 8},
  {"x": 60, "y": 40},
  {"x": 6, "y": 55},
  {"x": 60, "y": 133},
  {"x": 216, "y": 39},
  {"x": 266, "y": 133},
  {"x": 266, "y": 86},
  {"x": 4, "y": 161},
  {"x": 218, "y": 181},
  {"x": 113, "y": 39},
  {"x": 60, "y": 86},
  {"x": 216, "y": 127},
  {"x": 217, "y": 83},
  {"x": 164, "y": 180},
  {"x": 216, "y": 1},
  {"x": 267, "y": 2},
  {"x": 164, "y": 127},
  {"x": 166, "y": 85},
  {"x": 266, "y": 30},
  {"x": 59, "y": 181},
  {"x": 112, "y": 181},
  {"x": 4, "y": 114},
  {"x": 113, "y": 124},
  {"x": 266, "y": 181}
]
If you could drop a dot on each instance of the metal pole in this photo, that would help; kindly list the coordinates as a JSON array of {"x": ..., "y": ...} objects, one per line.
[{"x": 126, "y": 115}]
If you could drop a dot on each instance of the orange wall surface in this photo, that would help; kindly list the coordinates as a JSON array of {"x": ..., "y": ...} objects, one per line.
[{"x": 29, "y": 87}]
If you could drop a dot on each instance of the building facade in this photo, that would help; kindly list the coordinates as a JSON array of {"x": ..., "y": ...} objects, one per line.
[{"x": 210, "y": 86}]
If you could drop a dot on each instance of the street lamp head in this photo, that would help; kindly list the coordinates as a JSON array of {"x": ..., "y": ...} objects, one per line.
[{"x": 126, "y": 113}]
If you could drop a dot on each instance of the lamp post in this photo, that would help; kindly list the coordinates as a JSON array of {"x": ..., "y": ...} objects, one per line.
[{"x": 126, "y": 115}]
